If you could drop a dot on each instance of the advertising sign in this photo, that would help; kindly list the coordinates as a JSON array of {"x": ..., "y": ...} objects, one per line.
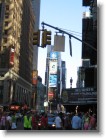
[
  {"x": 53, "y": 55},
  {"x": 34, "y": 77},
  {"x": 52, "y": 80},
  {"x": 53, "y": 67},
  {"x": 79, "y": 96},
  {"x": 12, "y": 50},
  {"x": 59, "y": 43}
]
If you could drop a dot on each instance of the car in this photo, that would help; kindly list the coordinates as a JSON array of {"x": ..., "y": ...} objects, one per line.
[{"x": 51, "y": 123}]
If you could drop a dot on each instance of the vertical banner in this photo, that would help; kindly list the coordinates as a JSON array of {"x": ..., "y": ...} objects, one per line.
[
  {"x": 34, "y": 77},
  {"x": 11, "y": 61},
  {"x": 59, "y": 43}
]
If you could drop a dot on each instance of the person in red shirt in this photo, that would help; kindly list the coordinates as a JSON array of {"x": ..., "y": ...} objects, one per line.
[
  {"x": 44, "y": 121},
  {"x": 34, "y": 122},
  {"x": 92, "y": 122}
]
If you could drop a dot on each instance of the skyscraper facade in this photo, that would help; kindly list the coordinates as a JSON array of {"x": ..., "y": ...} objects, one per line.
[
  {"x": 54, "y": 77},
  {"x": 89, "y": 56},
  {"x": 16, "y": 50}
]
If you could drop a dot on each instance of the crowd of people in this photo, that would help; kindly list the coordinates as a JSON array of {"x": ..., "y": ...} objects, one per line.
[
  {"x": 76, "y": 121},
  {"x": 39, "y": 121}
]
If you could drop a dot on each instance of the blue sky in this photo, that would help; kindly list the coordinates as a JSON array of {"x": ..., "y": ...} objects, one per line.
[{"x": 65, "y": 14}]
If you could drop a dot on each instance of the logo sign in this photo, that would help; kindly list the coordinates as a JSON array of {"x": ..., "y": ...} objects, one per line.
[{"x": 53, "y": 55}]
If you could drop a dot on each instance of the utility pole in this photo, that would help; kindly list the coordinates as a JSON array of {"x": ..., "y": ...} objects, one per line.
[{"x": 70, "y": 35}]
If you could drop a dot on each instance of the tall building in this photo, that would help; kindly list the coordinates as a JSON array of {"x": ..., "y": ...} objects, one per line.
[
  {"x": 89, "y": 35},
  {"x": 16, "y": 50},
  {"x": 89, "y": 31},
  {"x": 54, "y": 77},
  {"x": 36, "y": 9},
  {"x": 63, "y": 67}
]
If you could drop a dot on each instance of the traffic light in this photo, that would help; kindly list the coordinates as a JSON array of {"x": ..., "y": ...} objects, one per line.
[
  {"x": 36, "y": 38},
  {"x": 46, "y": 38}
]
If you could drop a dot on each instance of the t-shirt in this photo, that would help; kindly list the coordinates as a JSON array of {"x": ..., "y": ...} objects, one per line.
[
  {"x": 9, "y": 119},
  {"x": 58, "y": 122},
  {"x": 76, "y": 122}
]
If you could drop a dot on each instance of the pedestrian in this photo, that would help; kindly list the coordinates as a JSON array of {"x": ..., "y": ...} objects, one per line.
[
  {"x": 3, "y": 121},
  {"x": 9, "y": 121},
  {"x": 86, "y": 121},
  {"x": 83, "y": 119},
  {"x": 58, "y": 122},
  {"x": 28, "y": 121},
  {"x": 76, "y": 122},
  {"x": 13, "y": 122},
  {"x": 44, "y": 121},
  {"x": 34, "y": 122},
  {"x": 66, "y": 122},
  {"x": 92, "y": 122}
]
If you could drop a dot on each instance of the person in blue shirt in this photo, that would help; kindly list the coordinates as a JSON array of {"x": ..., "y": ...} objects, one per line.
[{"x": 76, "y": 122}]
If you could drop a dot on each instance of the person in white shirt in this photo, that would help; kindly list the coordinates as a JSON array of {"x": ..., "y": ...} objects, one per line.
[{"x": 58, "y": 122}]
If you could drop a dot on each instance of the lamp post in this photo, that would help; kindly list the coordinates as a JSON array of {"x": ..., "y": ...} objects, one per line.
[
  {"x": 50, "y": 106},
  {"x": 71, "y": 81}
]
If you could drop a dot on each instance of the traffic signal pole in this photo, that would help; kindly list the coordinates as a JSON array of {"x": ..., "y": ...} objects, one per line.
[{"x": 70, "y": 35}]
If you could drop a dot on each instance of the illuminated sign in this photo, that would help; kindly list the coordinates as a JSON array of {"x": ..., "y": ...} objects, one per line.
[
  {"x": 52, "y": 80},
  {"x": 53, "y": 55},
  {"x": 53, "y": 67}
]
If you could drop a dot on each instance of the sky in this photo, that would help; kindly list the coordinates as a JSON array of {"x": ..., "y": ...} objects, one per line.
[{"x": 66, "y": 15}]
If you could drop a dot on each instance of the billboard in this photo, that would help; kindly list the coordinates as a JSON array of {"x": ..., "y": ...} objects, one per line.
[
  {"x": 53, "y": 55},
  {"x": 53, "y": 67},
  {"x": 52, "y": 80},
  {"x": 79, "y": 96}
]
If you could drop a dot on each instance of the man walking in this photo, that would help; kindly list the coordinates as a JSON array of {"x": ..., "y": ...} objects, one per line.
[
  {"x": 58, "y": 122},
  {"x": 27, "y": 121},
  {"x": 76, "y": 122}
]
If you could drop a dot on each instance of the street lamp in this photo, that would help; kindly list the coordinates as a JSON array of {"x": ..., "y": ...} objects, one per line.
[{"x": 50, "y": 106}]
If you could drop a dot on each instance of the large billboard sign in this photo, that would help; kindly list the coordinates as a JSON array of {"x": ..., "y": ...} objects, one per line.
[
  {"x": 53, "y": 67},
  {"x": 52, "y": 80},
  {"x": 79, "y": 96}
]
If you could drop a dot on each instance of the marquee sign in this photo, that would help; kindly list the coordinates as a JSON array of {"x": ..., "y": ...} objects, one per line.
[{"x": 79, "y": 96}]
